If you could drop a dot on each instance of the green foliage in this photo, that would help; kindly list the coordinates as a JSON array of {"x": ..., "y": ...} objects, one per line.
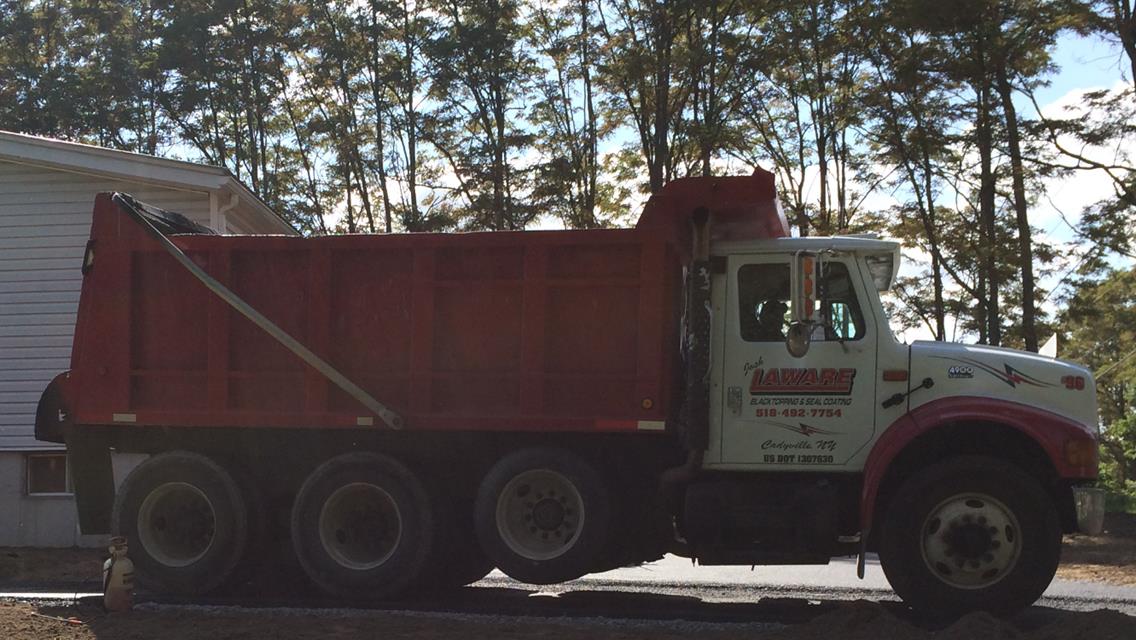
[
  {"x": 1120, "y": 502},
  {"x": 434, "y": 115},
  {"x": 1101, "y": 324}
]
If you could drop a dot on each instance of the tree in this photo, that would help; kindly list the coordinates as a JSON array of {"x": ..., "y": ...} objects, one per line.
[
  {"x": 641, "y": 69},
  {"x": 803, "y": 110},
  {"x": 481, "y": 79},
  {"x": 912, "y": 109},
  {"x": 567, "y": 123},
  {"x": 1087, "y": 139},
  {"x": 1100, "y": 332}
]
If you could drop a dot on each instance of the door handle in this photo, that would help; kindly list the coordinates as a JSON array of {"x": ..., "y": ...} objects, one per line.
[{"x": 734, "y": 399}]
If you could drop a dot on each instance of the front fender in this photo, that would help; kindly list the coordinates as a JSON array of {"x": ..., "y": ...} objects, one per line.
[{"x": 1053, "y": 433}]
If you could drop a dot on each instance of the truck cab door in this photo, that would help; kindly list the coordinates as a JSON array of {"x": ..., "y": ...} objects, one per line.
[{"x": 788, "y": 413}]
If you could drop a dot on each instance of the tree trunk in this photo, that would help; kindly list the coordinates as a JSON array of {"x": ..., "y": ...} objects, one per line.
[
  {"x": 986, "y": 206},
  {"x": 1021, "y": 208},
  {"x": 591, "y": 154},
  {"x": 664, "y": 39},
  {"x": 380, "y": 134},
  {"x": 411, "y": 120}
]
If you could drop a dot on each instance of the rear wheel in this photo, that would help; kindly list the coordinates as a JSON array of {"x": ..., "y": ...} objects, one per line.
[
  {"x": 543, "y": 515},
  {"x": 186, "y": 521},
  {"x": 971, "y": 533},
  {"x": 362, "y": 527}
]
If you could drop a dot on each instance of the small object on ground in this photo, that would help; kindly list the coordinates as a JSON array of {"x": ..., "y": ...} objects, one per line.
[
  {"x": 118, "y": 578},
  {"x": 72, "y": 620}
]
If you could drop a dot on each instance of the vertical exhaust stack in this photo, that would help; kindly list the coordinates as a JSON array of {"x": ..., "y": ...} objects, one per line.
[
  {"x": 697, "y": 212},
  {"x": 695, "y": 412}
]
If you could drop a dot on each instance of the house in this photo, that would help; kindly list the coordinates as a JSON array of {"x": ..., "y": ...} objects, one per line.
[{"x": 47, "y": 191}]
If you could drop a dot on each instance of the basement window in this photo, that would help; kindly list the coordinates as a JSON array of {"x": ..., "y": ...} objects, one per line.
[{"x": 48, "y": 475}]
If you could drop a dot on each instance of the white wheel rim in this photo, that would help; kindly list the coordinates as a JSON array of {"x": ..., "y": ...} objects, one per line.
[
  {"x": 540, "y": 514},
  {"x": 176, "y": 524},
  {"x": 360, "y": 526},
  {"x": 971, "y": 541}
]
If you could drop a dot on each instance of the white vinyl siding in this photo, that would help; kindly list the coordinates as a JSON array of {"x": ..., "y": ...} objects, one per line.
[
  {"x": 45, "y": 218},
  {"x": 47, "y": 191}
]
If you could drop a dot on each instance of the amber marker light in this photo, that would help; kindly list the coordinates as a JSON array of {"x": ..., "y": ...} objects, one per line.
[
  {"x": 648, "y": 403},
  {"x": 1082, "y": 453}
]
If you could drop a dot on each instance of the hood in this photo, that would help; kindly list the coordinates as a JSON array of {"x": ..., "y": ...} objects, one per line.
[{"x": 1059, "y": 387}]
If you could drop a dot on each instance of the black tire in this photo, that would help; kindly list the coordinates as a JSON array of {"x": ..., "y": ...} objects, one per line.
[
  {"x": 971, "y": 533},
  {"x": 374, "y": 537},
  {"x": 456, "y": 559},
  {"x": 556, "y": 536},
  {"x": 263, "y": 538},
  {"x": 468, "y": 564},
  {"x": 185, "y": 520}
]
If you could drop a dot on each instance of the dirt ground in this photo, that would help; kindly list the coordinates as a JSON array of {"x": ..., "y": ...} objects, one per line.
[
  {"x": 1110, "y": 557},
  {"x": 50, "y": 565},
  {"x": 1107, "y": 558},
  {"x": 855, "y": 621}
]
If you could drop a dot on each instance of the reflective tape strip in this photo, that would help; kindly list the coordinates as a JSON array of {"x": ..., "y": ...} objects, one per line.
[
  {"x": 652, "y": 425},
  {"x": 616, "y": 425},
  {"x": 125, "y": 417}
]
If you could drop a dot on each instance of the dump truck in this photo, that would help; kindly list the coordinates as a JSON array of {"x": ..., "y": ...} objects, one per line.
[{"x": 405, "y": 412}]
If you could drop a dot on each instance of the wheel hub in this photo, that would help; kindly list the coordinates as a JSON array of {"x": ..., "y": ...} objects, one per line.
[
  {"x": 539, "y": 514},
  {"x": 176, "y": 524},
  {"x": 548, "y": 514},
  {"x": 360, "y": 526},
  {"x": 971, "y": 541}
]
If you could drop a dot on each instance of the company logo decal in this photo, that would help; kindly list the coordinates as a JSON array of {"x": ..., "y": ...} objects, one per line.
[
  {"x": 804, "y": 429},
  {"x": 1007, "y": 374},
  {"x": 801, "y": 381}
]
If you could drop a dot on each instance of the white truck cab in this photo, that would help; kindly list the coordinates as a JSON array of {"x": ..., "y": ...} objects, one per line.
[
  {"x": 828, "y": 406},
  {"x": 958, "y": 463},
  {"x": 782, "y": 412}
]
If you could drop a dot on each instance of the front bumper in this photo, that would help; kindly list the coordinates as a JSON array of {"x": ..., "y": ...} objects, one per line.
[{"x": 1089, "y": 502}]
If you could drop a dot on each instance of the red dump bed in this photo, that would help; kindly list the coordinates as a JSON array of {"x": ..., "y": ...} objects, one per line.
[{"x": 568, "y": 330}]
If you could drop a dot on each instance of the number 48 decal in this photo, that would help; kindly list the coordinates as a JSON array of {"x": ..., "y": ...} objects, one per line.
[{"x": 1073, "y": 382}]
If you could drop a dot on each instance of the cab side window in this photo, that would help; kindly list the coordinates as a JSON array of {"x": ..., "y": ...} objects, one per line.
[
  {"x": 763, "y": 301},
  {"x": 840, "y": 310}
]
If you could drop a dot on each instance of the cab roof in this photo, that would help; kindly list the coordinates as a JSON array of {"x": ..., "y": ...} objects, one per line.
[{"x": 849, "y": 244}]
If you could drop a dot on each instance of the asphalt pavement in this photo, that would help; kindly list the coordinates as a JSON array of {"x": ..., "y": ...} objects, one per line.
[
  {"x": 838, "y": 574},
  {"x": 672, "y": 588}
]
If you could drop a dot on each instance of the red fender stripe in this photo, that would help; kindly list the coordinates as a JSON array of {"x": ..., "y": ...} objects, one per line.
[{"x": 1049, "y": 430}]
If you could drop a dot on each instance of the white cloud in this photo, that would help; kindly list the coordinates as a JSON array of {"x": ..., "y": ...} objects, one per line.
[{"x": 1070, "y": 195}]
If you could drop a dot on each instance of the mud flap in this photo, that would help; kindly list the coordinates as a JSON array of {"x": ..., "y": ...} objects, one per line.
[
  {"x": 53, "y": 417},
  {"x": 861, "y": 557},
  {"x": 92, "y": 475}
]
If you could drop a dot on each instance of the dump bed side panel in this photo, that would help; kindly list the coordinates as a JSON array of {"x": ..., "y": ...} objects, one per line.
[{"x": 498, "y": 331}]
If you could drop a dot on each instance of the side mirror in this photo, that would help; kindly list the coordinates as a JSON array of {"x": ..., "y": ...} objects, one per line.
[
  {"x": 807, "y": 267},
  {"x": 797, "y": 339}
]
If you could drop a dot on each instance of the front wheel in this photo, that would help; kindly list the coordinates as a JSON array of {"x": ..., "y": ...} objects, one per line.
[{"x": 970, "y": 533}]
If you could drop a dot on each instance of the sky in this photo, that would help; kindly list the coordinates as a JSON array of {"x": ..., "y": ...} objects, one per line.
[{"x": 1084, "y": 64}]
